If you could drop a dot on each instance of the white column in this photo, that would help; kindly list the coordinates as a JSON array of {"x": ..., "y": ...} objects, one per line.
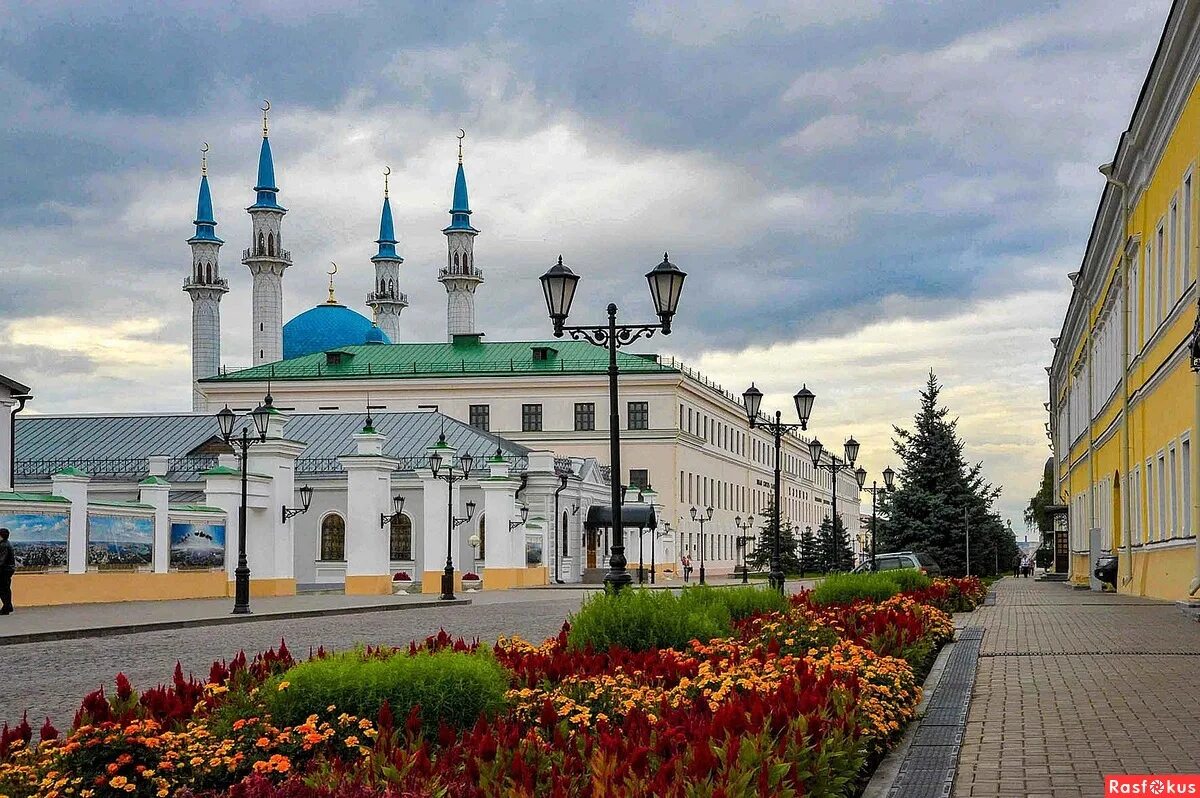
[
  {"x": 156, "y": 491},
  {"x": 368, "y": 486},
  {"x": 223, "y": 490},
  {"x": 270, "y": 540},
  {"x": 72, "y": 485},
  {"x": 503, "y": 568},
  {"x": 433, "y": 532}
]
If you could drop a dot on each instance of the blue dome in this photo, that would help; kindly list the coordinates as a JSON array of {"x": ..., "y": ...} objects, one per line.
[
  {"x": 326, "y": 327},
  {"x": 376, "y": 336}
]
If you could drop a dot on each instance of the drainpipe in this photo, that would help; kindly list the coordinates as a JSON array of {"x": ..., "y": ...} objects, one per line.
[
  {"x": 1126, "y": 311},
  {"x": 562, "y": 485},
  {"x": 12, "y": 438},
  {"x": 1195, "y": 446}
]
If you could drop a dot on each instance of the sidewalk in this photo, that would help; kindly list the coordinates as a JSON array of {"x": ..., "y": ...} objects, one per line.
[
  {"x": 1072, "y": 685},
  {"x": 67, "y": 621}
]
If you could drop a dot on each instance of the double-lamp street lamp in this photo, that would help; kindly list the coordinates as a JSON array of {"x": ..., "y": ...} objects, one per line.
[
  {"x": 889, "y": 477},
  {"x": 261, "y": 417},
  {"x": 742, "y": 541},
  {"x": 752, "y": 399},
  {"x": 666, "y": 284},
  {"x": 450, "y": 476},
  {"x": 703, "y": 518},
  {"x": 836, "y": 466}
]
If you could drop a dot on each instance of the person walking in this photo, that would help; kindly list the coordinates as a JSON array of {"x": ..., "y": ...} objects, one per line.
[
  {"x": 687, "y": 568},
  {"x": 8, "y": 564}
]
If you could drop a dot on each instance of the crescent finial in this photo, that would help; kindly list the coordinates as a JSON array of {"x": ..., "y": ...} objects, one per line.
[
  {"x": 387, "y": 170},
  {"x": 332, "y": 300},
  {"x": 204, "y": 147},
  {"x": 462, "y": 134},
  {"x": 266, "y": 106},
  {"x": 204, "y": 159},
  {"x": 332, "y": 271}
]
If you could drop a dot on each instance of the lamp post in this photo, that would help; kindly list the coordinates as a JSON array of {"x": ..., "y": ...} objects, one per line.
[
  {"x": 752, "y": 399},
  {"x": 889, "y": 477},
  {"x": 305, "y": 500},
  {"x": 666, "y": 284},
  {"x": 452, "y": 523},
  {"x": 703, "y": 518},
  {"x": 742, "y": 540},
  {"x": 836, "y": 466},
  {"x": 646, "y": 495},
  {"x": 241, "y": 445},
  {"x": 666, "y": 530}
]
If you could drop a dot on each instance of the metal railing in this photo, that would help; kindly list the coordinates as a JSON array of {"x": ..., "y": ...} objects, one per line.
[
  {"x": 463, "y": 366},
  {"x": 216, "y": 282},
  {"x": 283, "y": 254},
  {"x": 395, "y": 296},
  {"x": 460, "y": 271}
]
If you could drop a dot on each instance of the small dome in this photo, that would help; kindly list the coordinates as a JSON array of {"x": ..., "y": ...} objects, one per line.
[
  {"x": 327, "y": 326},
  {"x": 376, "y": 336}
]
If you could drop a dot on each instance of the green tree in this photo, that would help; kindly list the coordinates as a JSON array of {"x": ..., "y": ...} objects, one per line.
[
  {"x": 833, "y": 550},
  {"x": 940, "y": 497},
  {"x": 1036, "y": 517},
  {"x": 808, "y": 551},
  {"x": 789, "y": 550}
]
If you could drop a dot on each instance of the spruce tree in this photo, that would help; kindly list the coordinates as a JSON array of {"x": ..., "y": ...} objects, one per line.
[
  {"x": 833, "y": 549},
  {"x": 789, "y": 554},
  {"x": 808, "y": 551},
  {"x": 939, "y": 497}
]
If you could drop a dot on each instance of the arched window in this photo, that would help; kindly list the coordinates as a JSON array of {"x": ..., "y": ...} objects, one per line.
[
  {"x": 381, "y": 286},
  {"x": 565, "y": 537},
  {"x": 208, "y": 273},
  {"x": 262, "y": 244},
  {"x": 401, "y": 546},
  {"x": 456, "y": 259},
  {"x": 333, "y": 538},
  {"x": 482, "y": 539},
  {"x": 270, "y": 244},
  {"x": 391, "y": 289}
]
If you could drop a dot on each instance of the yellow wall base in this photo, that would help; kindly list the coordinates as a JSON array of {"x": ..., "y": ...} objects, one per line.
[
  {"x": 266, "y": 588},
  {"x": 379, "y": 585},
  {"x": 32, "y": 590},
  {"x": 506, "y": 578},
  {"x": 1162, "y": 574}
]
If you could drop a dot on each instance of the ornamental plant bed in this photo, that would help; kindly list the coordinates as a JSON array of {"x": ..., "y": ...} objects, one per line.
[{"x": 798, "y": 700}]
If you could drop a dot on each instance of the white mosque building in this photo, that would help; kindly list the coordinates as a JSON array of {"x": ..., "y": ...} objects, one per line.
[{"x": 531, "y": 402}]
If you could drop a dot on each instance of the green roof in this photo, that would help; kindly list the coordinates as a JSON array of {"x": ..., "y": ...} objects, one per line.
[
  {"x": 154, "y": 481},
  {"x": 134, "y": 505},
  {"x": 194, "y": 508},
  {"x": 467, "y": 355},
  {"x": 8, "y": 496}
]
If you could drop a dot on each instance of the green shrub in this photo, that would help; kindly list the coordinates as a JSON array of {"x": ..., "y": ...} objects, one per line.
[
  {"x": 449, "y": 686},
  {"x": 845, "y": 588},
  {"x": 640, "y": 620},
  {"x": 908, "y": 579},
  {"x": 739, "y": 602}
]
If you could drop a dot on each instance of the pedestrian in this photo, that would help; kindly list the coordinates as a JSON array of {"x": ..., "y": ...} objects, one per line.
[
  {"x": 1018, "y": 566},
  {"x": 8, "y": 564},
  {"x": 687, "y": 568}
]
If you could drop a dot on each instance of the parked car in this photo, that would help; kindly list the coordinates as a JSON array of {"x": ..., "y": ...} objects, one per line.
[{"x": 902, "y": 559}]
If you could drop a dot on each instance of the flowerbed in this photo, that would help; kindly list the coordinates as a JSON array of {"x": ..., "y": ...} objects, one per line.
[{"x": 795, "y": 702}]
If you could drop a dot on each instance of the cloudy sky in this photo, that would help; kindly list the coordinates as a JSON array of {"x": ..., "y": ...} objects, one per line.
[{"x": 860, "y": 191}]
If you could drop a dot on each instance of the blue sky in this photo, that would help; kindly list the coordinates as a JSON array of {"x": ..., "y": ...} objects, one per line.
[{"x": 859, "y": 191}]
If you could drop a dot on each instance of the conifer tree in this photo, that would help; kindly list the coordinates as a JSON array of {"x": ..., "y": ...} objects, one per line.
[
  {"x": 833, "y": 551},
  {"x": 939, "y": 497},
  {"x": 808, "y": 551}
]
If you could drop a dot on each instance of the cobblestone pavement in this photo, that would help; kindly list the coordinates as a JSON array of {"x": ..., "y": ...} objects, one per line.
[
  {"x": 49, "y": 679},
  {"x": 1072, "y": 685}
]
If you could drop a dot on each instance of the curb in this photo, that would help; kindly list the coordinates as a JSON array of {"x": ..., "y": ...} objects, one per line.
[
  {"x": 223, "y": 620},
  {"x": 888, "y": 770}
]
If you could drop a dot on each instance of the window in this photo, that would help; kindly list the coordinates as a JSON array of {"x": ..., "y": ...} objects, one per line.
[
  {"x": 1162, "y": 498},
  {"x": 480, "y": 417},
  {"x": 585, "y": 416},
  {"x": 1173, "y": 254},
  {"x": 1174, "y": 495},
  {"x": 531, "y": 418},
  {"x": 1185, "y": 455},
  {"x": 565, "y": 548},
  {"x": 638, "y": 415},
  {"x": 1147, "y": 295},
  {"x": 1185, "y": 245},
  {"x": 333, "y": 538},
  {"x": 1160, "y": 265},
  {"x": 639, "y": 478},
  {"x": 401, "y": 539},
  {"x": 481, "y": 550},
  {"x": 1151, "y": 526}
]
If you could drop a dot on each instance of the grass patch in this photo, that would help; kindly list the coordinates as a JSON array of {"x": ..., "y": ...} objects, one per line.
[
  {"x": 640, "y": 620},
  {"x": 448, "y": 686},
  {"x": 908, "y": 579},
  {"x": 739, "y": 602},
  {"x": 845, "y": 588}
]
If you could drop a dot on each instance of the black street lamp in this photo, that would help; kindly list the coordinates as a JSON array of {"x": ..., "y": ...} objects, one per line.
[
  {"x": 261, "y": 416},
  {"x": 450, "y": 477},
  {"x": 836, "y": 466},
  {"x": 703, "y": 518},
  {"x": 742, "y": 540},
  {"x": 397, "y": 511},
  {"x": 889, "y": 477},
  {"x": 666, "y": 284},
  {"x": 305, "y": 500},
  {"x": 752, "y": 398},
  {"x": 647, "y": 495}
]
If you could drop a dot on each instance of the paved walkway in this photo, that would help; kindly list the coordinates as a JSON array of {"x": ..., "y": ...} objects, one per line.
[{"x": 1072, "y": 685}]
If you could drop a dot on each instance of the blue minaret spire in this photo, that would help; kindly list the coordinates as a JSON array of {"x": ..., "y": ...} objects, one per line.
[
  {"x": 266, "y": 258},
  {"x": 206, "y": 287},
  {"x": 385, "y": 300},
  {"x": 460, "y": 277}
]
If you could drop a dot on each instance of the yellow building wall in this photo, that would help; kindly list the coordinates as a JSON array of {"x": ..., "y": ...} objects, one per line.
[
  {"x": 41, "y": 589},
  {"x": 1162, "y": 392}
]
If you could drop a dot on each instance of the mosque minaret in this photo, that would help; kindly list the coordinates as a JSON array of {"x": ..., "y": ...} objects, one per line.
[
  {"x": 267, "y": 259},
  {"x": 385, "y": 300},
  {"x": 206, "y": 287},
  {"x": 460, "y": 276}
]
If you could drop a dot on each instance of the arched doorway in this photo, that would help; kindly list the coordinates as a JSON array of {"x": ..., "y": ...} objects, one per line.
[{"x": 400, "y": 546}]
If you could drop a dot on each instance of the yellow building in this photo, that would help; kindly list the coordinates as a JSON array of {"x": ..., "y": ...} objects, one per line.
[{"x": 1124, "y": 398}]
